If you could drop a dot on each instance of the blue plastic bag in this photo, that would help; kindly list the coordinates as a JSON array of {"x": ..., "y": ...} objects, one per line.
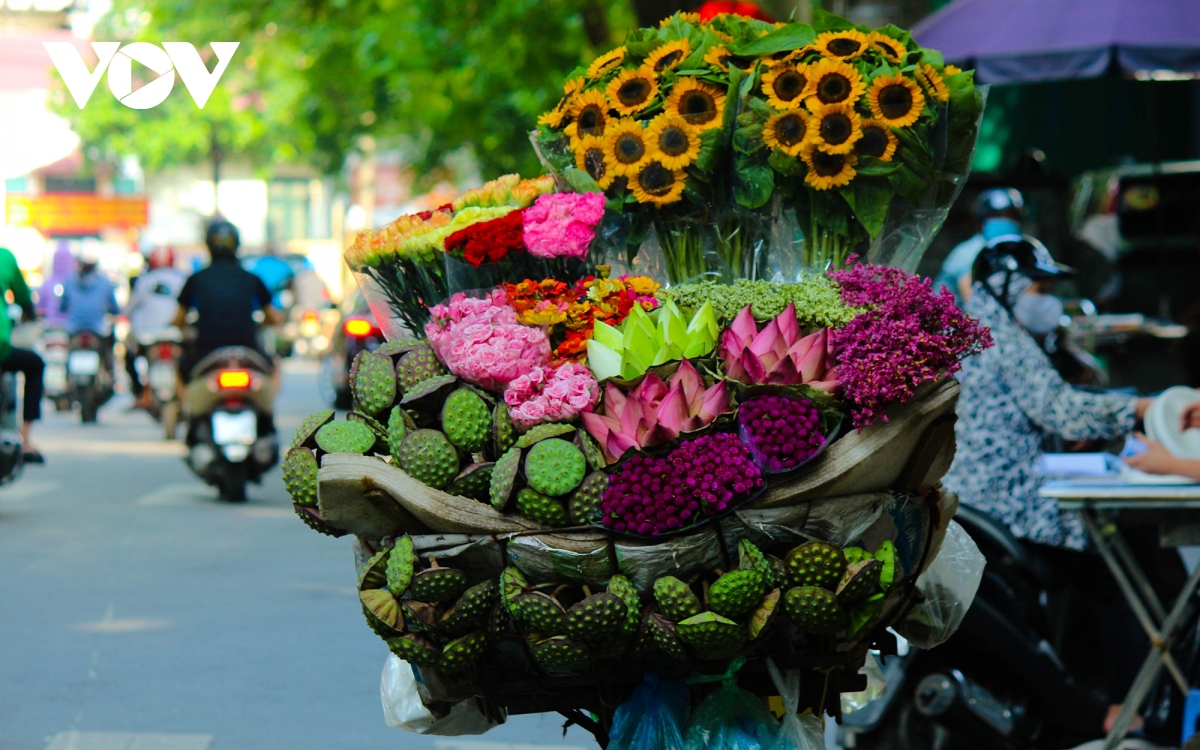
[
  {"x": 731, "y": 718},
  {"x": 654, "y": 716}
]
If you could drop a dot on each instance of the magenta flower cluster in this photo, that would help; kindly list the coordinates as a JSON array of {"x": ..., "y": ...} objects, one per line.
[
  {"x": 706, "y": 476},
  {"x": 480, "y": 340},
  {"x": 549, "y": 394},
  {"x": 909, "y": 335},
  {"x": 781, "y": 431},
  {"x": 561, "y": 225}
]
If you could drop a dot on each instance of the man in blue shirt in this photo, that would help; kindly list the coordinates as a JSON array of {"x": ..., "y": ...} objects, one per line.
[{"x": 87, "y": 297}]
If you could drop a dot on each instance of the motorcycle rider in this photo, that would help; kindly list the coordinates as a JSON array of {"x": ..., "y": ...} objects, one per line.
[
  {"x": 152, "y": 307},
  {"x": 13, "y": 359},
  {"x": 87, "y": 297},
  {"x": 998, "y": 212}
]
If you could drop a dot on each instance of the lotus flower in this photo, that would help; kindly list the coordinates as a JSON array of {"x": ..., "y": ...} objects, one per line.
[
  {"x": 648, "y": 339},
  {"x": 777, "y": 355},
  {"x": 654, "y": 412}
]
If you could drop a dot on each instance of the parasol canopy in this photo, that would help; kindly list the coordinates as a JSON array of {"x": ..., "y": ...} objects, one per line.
[{"x": 1028, "y": 41}]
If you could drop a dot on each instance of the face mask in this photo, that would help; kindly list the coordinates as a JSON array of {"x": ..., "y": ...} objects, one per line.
[
  {"x": 998, "y": 227},
  {"x": 1038, "y": 313}
]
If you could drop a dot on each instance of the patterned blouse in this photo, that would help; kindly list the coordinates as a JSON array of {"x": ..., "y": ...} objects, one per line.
[{"x": 1011, "y": 398}]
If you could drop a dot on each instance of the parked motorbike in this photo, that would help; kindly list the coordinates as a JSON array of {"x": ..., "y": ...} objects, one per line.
[
  {"x": 11, "y": 450},
  {"x": 89, "y": 373},
  {"x": 357, "y": 333},
  {"x": 230, "y": 438},
  {"x": 55, "y": 346},
  {"x": 161, "y": 350}
]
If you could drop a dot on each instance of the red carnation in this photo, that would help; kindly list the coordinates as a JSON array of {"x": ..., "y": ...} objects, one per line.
[{"x": 488, "y": 241}]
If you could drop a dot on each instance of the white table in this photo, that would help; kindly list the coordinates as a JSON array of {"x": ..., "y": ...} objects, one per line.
[{"x": 1096, "y": 502}]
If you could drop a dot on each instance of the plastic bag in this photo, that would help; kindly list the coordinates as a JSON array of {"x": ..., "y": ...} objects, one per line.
[
  {"x": 797, "y": 732},
  {"x": 654, "y": 716},
  {"x": 403, "y": 708},
  {"x": 876, "y": 686},
  {"x": 949, "y": 585},
  {"x": 731, "y": 718}
]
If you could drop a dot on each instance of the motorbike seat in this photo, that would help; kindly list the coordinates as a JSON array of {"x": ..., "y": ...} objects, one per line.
[
  {"x": 230, "y": 356},
  {"x": 995, "y": 539}
]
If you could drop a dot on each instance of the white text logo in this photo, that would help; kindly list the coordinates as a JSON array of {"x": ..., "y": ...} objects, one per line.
[{"x": 118, "y": 60}]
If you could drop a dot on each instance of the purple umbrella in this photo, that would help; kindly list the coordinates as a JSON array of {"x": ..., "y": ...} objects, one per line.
[{"x": 1027, "y": 41}]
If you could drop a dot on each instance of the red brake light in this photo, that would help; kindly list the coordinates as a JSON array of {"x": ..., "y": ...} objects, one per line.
[
  {"x": 166, "y": 351},
  {"x": 358, "y": 327},
  {"x": 234, "y": 379}
]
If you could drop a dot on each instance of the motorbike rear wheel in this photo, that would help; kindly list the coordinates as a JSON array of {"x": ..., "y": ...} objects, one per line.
[
  {"x": 88, "y": 406},
  {"x": 169, "y": 413},
  {"x": 233, "y": 483}
]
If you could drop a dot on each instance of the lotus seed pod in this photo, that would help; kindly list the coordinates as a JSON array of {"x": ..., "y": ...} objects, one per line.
[
  {"x": 620, "y": 587},
  {"x": 561, "y": 653},
  {"x": 554, "y": 467},
  {"x": 402, "y": 345},
  {"x": 591, "y": 451},
  {"x": 504, "y": 432},
  {"x": 374, "y": 573},
  {"x": 437, "y": 585},
  {"x": 308, "y": 428},
  {"x": 402, "y": 561},
  {"x": 711, "y": 635},
  {"x": 504, "y": 478},
  {"x": 541, "y": 508},
  {"x": 375, "y": 384},
  {"x": 428, "y": 457},
  {"x": 474, "y": 482},
  {"x": 466, "y": 420},
  {"x": 597, "y": 618},
  {"x": 540, "y": 432},
  {"x": 471, "y": 610},
  {"x": 584, "y": 505},
  {"x": 764, "y": 614},
  {"x": 381, "y": 605},
  {"x": 420, "y": 616},
  {"x": 300, "y": 475},
  {"x": 512, "y": 585},
  {"x": 345, "y": 437},
  {"x": 816, "y": 564},
  {"x": 540, "y": 613},
  {"x": 736, "y": 593},
  {"x": 416, "y": 366},
  {"x": 312, "y": 519},
  {"x": 860, "y": 581},
  {"x": 750, "y": 557},
  {"x": 380, "y": 432},
  {"x": 415, "y": 650},
  {"x": 666, "y": 637},
  {"x": 424, "y": 401},
  {"x": 675, "y": 599},
  {"x": 814, "y": 610},
  {"x": 643, "y": 639},
  {"x": 463, "y": 652},
  {"x": 397, "y": 430}
]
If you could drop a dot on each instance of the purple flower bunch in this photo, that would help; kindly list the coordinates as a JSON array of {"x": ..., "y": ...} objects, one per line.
[
  {"x": 717, "y": 470},
  {"x": 781, "y": 431},
  {"x": 909, "y": 335}
]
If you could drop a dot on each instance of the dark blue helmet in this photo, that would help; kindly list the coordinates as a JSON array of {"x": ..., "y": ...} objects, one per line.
[{"x": 222, "y": 238}]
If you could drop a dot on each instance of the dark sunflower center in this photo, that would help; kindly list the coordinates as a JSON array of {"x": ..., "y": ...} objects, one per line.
[
  {"x": 697, "y": 106},
  {"x": 895, "y": 101},
  {"x": 741, "y": 62},
  {"x": 630, "y": 148},
  {"x": 780, "y": 55},
  {"x": 843, "y": 47},
  {"x": 787, "y": 86},
  {"x": 836, "y": 128},
  {"x": 874, "y": 141},
  {"x": 591, "y": 120},
  {"x": 672, "y": 141},
  {"x": 833, "y": 88},
  {"x": 890, "y": 48},
  {"x": 828, "y": 165},
  {"x": 656, "y": 179},
  {"x": 633, "y": 92},
  {"x": 789, "y": 130},
  {"x": 667, "y": 60},
  {"x": 593, "y": 161}
]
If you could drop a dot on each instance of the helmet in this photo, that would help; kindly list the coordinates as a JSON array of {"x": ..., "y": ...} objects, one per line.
[
  {"x": 1014, "y": 254},
  {"x": 162, "y": 257},
  {"x": 89, "y": 256},
  {"x": 222, "y": 238},
  {"x": 999, "y": 201}
]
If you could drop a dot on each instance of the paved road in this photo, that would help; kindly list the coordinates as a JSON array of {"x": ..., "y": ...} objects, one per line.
[{"x": 133, "y": 603}]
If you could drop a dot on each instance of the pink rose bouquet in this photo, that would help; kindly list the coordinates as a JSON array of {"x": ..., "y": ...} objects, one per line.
[
  {"x": 548, "y": 394},
  {"x": 561, "y": 225},
  {"x": 480, "y": 340}
]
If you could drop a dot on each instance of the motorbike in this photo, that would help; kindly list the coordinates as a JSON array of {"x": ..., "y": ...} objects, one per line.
[
  {"x": 11, "y": 451},
  {"x": 89, "y": 373},
  {"x": 161, "y": 350},
  {"x": 230, "y": 438},
  {"x": 54, "y": 346},
  {"x": 358, "y": 332}
]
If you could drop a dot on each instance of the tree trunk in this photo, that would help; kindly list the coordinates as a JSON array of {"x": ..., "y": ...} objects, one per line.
[{"x": 595, "y": 25}]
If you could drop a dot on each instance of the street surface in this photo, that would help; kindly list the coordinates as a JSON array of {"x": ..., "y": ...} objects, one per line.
[{"x": 138, "y": 612}]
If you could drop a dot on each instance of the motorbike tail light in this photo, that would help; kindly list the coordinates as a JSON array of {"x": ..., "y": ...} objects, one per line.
[
  {"x": 234, "y": 379},
  {"x": 166, "y": 351},
  {"x": 310, "y": 316},
  {"x": 358, "y": 327}
]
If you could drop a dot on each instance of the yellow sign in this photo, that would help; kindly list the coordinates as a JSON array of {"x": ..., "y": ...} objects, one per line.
[{"x": 75, "y": 213}]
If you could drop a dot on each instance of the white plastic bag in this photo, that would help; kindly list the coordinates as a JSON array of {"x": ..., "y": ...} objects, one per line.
[
  {"x": 402, "y": 706},
  {"x": 796, "y": 732},
  {"x": 949, "y": 585},
  {"x": 876, "y": 686}
]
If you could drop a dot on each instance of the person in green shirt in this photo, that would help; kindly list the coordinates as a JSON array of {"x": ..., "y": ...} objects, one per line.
[{"x": 13, "y": 359}]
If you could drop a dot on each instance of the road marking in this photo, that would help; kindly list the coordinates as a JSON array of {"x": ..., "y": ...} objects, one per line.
[
  {"x": 175, "y": 494},
  {"x": 457, "y": 744},
  {"x": 266, "y": 512},
  {"x": 126, "y": 625},
  {"x": 127, "y": 741},
  {"x": 141, "y": 448},
  {"x": 24, "y": 490}
]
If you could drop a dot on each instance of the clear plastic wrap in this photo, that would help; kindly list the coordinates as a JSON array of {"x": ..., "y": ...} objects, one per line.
[
  {"x": 796, "y": 731},
  {"x": 949, "y": 585},
  {"x": 876, "y": 686},
  {"x": 655, "y": 716}
]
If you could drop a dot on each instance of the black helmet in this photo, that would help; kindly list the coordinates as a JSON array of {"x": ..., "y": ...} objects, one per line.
[
  {"x": 222, "y": 238},
  {"x": 999, "y": 201},
  {"x": 1016, "y": 254}
]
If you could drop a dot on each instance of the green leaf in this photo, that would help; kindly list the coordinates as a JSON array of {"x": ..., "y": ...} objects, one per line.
[
  {"x": 753, "y": 183},
  {"x": 870, "y": 166},
  {"x": 872, "y": 197},
  {"x": 789, "y": 166},
  {"x": 580, "y": 180},
  {"x": 933, "y": 57},
  {"x": 886, "y": 554},
  {"x": 906, "y": 183},
  {"x": 823, "y": 20},
  {"x": 792, "y": 36}
]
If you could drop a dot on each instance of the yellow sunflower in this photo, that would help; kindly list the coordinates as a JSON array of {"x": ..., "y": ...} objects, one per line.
[
  {"x": 932, "y": 80},
  {"x": 655, "y": 183},
  {"x": 719, "y": 56},
  {"x": 782, "y": 56},
  {"x": 843, "y": 44},
  {"x": 890, "y": 48},
  {"x": 835, "y": 128},
  {"x": 833, "y": 82},
  {"x": 895, "y": 100},
  {"x": 673, "y": 142},
  {"x": 669, "y": 55},
  {"x": 590, "y": 157},
  {"x": 554, "y": 117},
  {"x": 877, "y": 140},
  {"x": 826, "y": 170},
  {"x": 727, "y": 38},
  {"x": 702, "y": 105},
  {"x": 785, "y": 85},
  {"x": 627, "y": 146},
  {"x": 785, "y": 131},
  {"x": 689, "y": 17},
  {"x": 606, "y": 62},
  {"x": 633, "y": 89},
  {"x": 573, "y": 86},
  {"x": 589, "y": 114},
  {"x": 953, "y": 70}
]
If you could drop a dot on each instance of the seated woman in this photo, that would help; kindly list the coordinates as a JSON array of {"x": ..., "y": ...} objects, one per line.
[{"x": 1158, "y": 460}]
